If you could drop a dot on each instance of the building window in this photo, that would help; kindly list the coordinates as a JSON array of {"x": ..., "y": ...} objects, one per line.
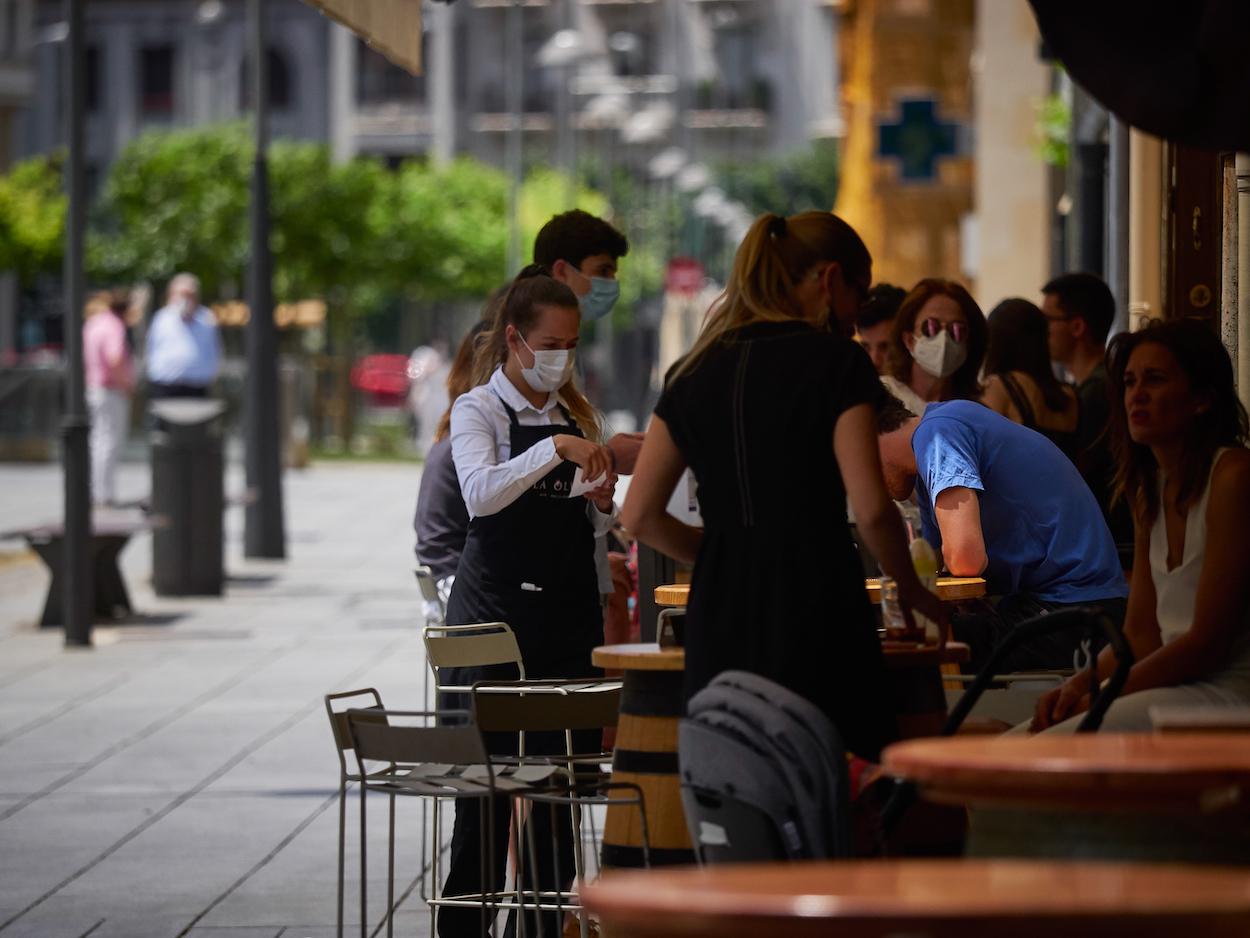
[
  {"x": 378, "y": 81},
  {"x": 94, "y": 88},
  {"x": 156, "y": 80},
  {"x": 281, "y": 87}
]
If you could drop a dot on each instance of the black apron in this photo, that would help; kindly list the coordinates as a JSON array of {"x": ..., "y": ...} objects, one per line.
[{"x": 532, "y": 565}]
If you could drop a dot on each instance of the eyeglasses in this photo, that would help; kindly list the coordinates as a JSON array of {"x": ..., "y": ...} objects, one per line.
[{"x": 932, "y": 327}]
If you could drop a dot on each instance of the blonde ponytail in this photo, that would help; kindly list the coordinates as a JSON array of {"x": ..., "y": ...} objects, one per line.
[{"x": 773, "y": 258}]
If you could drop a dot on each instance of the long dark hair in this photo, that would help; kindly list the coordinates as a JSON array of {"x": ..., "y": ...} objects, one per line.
[
  {"x": 1209, "y": 371},
  {"x": 964, "y": 383},
  {"x": 1017, "y": 342}
]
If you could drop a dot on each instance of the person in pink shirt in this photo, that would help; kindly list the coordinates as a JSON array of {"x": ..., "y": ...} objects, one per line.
[{"x": 110, "y": 376}]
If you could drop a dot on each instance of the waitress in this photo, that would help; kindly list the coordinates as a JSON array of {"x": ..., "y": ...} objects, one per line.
[{"x": 518, "y": 441}]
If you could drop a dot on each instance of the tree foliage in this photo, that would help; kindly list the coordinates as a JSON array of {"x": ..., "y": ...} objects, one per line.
[
  {"x": 803, "y": 180},
  {"x": 32, "y": 218}
]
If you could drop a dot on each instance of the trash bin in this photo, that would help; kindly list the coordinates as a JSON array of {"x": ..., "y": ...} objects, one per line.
[{"x": 188, "y": 495}]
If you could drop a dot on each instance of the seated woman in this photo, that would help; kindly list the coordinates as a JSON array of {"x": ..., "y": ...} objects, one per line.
[
  {"x": 772, "y": 410},
  {"x": 937, "y": 346},
  {"x": 1179, "y": 434},
  {"x": 1019, "y": 382}
]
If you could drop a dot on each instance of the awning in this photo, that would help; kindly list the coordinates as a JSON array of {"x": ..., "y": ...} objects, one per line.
[
  {"x": 1177, "y": 69},
  {"x": 393, "y": 27}
]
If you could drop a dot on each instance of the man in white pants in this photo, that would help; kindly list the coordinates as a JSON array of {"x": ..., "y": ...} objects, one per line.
[{"x": 110, "y": 377}]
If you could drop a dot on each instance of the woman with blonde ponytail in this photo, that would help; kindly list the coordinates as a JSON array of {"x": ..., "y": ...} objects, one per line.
[
  {"x": 772, "y": 410},
  {"x": 524, "y": 440}
]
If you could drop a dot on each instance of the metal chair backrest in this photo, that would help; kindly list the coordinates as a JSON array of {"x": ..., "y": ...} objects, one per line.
[
  {"x": 545, "y": 706},
  {"x": 470, "y": 646},
  {"x": 428, "y": 585},
  {"x": 365, "y": 700},
  {"x": 391, "y": 736}
]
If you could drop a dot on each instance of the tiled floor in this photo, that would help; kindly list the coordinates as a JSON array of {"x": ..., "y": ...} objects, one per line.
[{"x": 179, "y": 778}]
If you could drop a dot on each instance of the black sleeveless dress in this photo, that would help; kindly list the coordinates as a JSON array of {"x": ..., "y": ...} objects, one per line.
[{"x": 778, "y": 588}]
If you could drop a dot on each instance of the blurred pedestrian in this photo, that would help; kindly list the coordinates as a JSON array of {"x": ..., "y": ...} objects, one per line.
[
  {"x": 110, "y": 376},
  {"x": 184, "y": 347}
]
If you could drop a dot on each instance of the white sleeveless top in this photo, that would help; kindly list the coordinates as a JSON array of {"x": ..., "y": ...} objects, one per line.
[{"x": 1176, "y": 591}]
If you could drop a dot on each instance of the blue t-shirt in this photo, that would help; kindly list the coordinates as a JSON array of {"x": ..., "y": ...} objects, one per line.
[{"x": 1044, "y": 532}]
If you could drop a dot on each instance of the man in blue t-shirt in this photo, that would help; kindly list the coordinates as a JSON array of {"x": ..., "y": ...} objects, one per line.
[{"x": 1001, "y": 501}]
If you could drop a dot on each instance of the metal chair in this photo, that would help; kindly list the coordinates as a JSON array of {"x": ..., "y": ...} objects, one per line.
[
  {"x": 406, "y": 753},
  {"x": 429, "y": 589},
  {"x": 458, "y": 646},
  {"x": 343, "y": 744},
  {"x": 567, "y": 707},
  {"x": 469, "y": 646}
]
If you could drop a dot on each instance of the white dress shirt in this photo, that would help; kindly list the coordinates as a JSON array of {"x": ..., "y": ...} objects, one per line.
[
  {"x": 183, "y": 351},
  {"x": 491, "y": 478}
]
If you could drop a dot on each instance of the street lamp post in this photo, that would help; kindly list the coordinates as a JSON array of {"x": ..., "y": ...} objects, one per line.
[
  {"x": 263, "y": 533},
  {"x": 78, "y": 585},
  {"x": 515, "y": 39}
]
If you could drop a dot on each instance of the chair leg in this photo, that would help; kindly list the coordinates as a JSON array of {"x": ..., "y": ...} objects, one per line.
[
  {"x": 342, "y": 849},
  {"x": 486, "y": 861},
  {"x": 390, "y": 872},
  {"x": 364, "y": 865},
  {"x": 436, "y": 883}
]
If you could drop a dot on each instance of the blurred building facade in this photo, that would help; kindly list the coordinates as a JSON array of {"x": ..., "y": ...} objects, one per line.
[
  {"x": 722, "y": 77},
  {"x": 17, "y": 85}
]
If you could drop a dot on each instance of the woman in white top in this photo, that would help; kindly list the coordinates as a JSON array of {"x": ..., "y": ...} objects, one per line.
[
  {"x": 1179, "y": 435},
  {"x": 529, "y": 556}
]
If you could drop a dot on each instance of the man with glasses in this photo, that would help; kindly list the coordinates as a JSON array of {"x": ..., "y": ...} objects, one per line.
[
  {"x": 1002, "y": 502},
  {"x": 1080, "y": 309}
]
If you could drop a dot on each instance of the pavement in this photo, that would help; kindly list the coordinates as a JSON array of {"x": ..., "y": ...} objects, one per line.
[{"x": 179, "y": 778}]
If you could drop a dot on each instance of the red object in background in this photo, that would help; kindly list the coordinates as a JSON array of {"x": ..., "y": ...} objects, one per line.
[
  {"x": 684, "y": 275},
  {"x": 383, "y": 377}
]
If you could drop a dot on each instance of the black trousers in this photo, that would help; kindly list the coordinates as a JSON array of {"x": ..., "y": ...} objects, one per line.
[
  {"x": 551, "y": 828},
  {"x": 984, "y": 625}
]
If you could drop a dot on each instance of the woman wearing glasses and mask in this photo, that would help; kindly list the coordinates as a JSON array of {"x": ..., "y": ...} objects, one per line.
[
  {"x": 518, "y": 440},
  {"x": 938, "y": 344}
]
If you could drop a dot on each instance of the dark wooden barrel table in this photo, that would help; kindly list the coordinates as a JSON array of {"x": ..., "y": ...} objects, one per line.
[{"x": 646, "y": 755}]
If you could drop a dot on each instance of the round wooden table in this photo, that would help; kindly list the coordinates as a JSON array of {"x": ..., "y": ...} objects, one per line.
[
  {"x": 1174, "y": 797},
  {"x": 949, "y": 589},
  {"x": 930, "y": 898}
]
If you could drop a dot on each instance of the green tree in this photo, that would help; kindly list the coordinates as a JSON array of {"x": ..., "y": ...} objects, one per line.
[
  {"x": 446, "y": 230},
  {"x": 176, "y": 200},
  {"x": 805, "y": 179},
  {"x": 32, "y": 218}
]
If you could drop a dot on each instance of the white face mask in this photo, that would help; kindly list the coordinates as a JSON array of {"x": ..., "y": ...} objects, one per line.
[
  {"x": 939, "y": 356},
  {"x": 551, "y": 370}
]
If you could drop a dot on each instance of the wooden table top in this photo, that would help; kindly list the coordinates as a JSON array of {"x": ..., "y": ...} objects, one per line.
[
  {"x": 648, "y": 656},
  {"x": 939, "y": 898},
  {"x": 639, "y": 656},
  {"x": 949, "y": 589},
  {"x": 1099, "y": 771}
]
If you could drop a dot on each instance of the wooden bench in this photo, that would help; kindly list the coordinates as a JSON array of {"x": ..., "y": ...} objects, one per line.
[{"x": 108, "y": 537}]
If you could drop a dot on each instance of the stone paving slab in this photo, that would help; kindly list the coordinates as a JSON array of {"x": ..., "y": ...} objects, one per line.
[{"x": 179, "y": 778}]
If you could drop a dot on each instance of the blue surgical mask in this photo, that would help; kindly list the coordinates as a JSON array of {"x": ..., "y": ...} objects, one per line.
[{"x": 604, "y": 292}]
